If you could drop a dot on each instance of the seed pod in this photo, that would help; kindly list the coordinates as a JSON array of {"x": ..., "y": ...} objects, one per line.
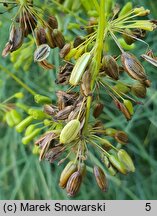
[
  {"x": 133, "y": 67},
  {"x": 46, "y": 65},
  {"x": 9, "y": 119},
  {"x": 98, "y": 110},
  {"x": 52, "y": 21},
  {"x": 29, "y": 129},
  {"x": 23, "y": 124},
  {"x": 54, "y": 153},
  {"x": 126, "y": 8},
  {"x": 128, "y": 36},
  {"x": 123, "y": 109},
  {"x": 139, "y": 90},
  {"x": 69, "y": 169},
  {"x": 82, "y": 169},
  {"x": 41, "y": 36},
  {"x": 100, "y": 178},
  {"x": 64, "y": 113},
  {"x": 79, "y": 69},
  {"x": 111, "y": 67},
  {"x": 7, "y": 49},
  {"x": 109, "y": 166},
  {"x": 41, "y": 99},
  {"x": 117, "y": 164},
  {"x": 74, "y": 183},
  {"x": 58, "y": 38},
  {"x": 125, "y": 158},
  {"x": 16, "y": 38},
  {"x": 85, "y": 85},
  {"x": 140, "y": 11},
  {"x": 42, "y": 52},
  {"x": 49, "y": 109},
  {"x": 121, "y": 88},
  {"x": 71, "y": 54},
  {"x": 78, "y": 40},
  {"x": 129, "y": 106},
  {"x": 29, "y": 138},
  {"x": 121, "y": 137},
  {"x": 65, "y": 50},
  {"x": 15, "y": 116},
  {"x": 110, "y": 132},
  {"x": 70, "y": 131}
]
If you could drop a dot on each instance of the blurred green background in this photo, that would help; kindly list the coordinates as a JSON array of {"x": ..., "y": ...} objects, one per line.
[{"x": 21, "y": 174}]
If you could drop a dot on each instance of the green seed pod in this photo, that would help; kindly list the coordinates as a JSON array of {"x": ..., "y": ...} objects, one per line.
[
  {"x": 69, "y": 169},
  {"x": 79, "y": 68},
  {"x": 36, "y": 150},
  {"x": 19, "y": 95},
  {"x": 109, "y": 166},
  {"x": 29, "y": 138},
  {"x": 70, "y": 131},
  {"x": 121, "y": 88},
  {"x": 100, "y": 178},
  {"x": 126, "y": 46},
  {"x": 111, "y": 67},
  {"x": 29, "y": 129},
  {"x": 117, "y": 164},
  {"x": 141, "y": 11},
  {"x": 139, "y": 90},
  {"x": 37, "y": 114},
  {"x": 133, "y": 67},
  {"x": 71, "y": 54},
  {"x": 110, "y": 131},
  {"x": 127, "y": 7},
  {"x": 15, "y": 116},
  {"x": 128, "y": 36},
  {"x": 82, "y": 169},
  {"x": 121, "y": 137},
  {"x": 41, "y": 53},
  {"x": 74, "y": 183},
  {"x": 125, "y": 158},
  {"x": 41, "y": 99},
  {"x": 9, "y": 119},
  {"x": 23, "y": 124},
  {"x": 129, "y": 106}
]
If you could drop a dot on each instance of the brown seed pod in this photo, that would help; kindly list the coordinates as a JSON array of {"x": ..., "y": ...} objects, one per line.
[
  {"x": 121, "y": 137},
  {"x": 54, "y": 153},
  {"x": 139, "y": 90},
  {"x": 58, "y": 38},
  {"x": 52, "y": 22},
  {"x": 65, "y": 50},
  {"x": 50, "y": 109},
  {"x": 74, "y": 183},
  {"x": 110, "y": 66},
  {"x": 86, "y": 83},
  {"x": 78, "y": 40},
  {"x": 7, "y": 49},
  {"x": 16, "y": 38},
  {"x": 133, "y": 67},
  {"x": 40, "y": 36},
  {"x": 123, "y": 109},
  {"x": 64, "y": 113},
  {"x": 46, "y": 65},
  {"x": 98, "y": 110},
  {"x": 100, "y": 178}
]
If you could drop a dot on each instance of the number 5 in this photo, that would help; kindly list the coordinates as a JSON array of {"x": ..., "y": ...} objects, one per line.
[{"x": 148, "y": 207}]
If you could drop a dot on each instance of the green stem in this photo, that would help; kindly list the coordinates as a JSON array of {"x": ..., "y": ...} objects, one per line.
[
  {"x": 18, "y": 80},
  {"x": 96, "y": 61}
]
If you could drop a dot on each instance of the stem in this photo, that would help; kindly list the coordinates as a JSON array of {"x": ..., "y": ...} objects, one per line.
[
  {"x": 96, "y": 62},
  {"x": 18, "y": 80}
]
